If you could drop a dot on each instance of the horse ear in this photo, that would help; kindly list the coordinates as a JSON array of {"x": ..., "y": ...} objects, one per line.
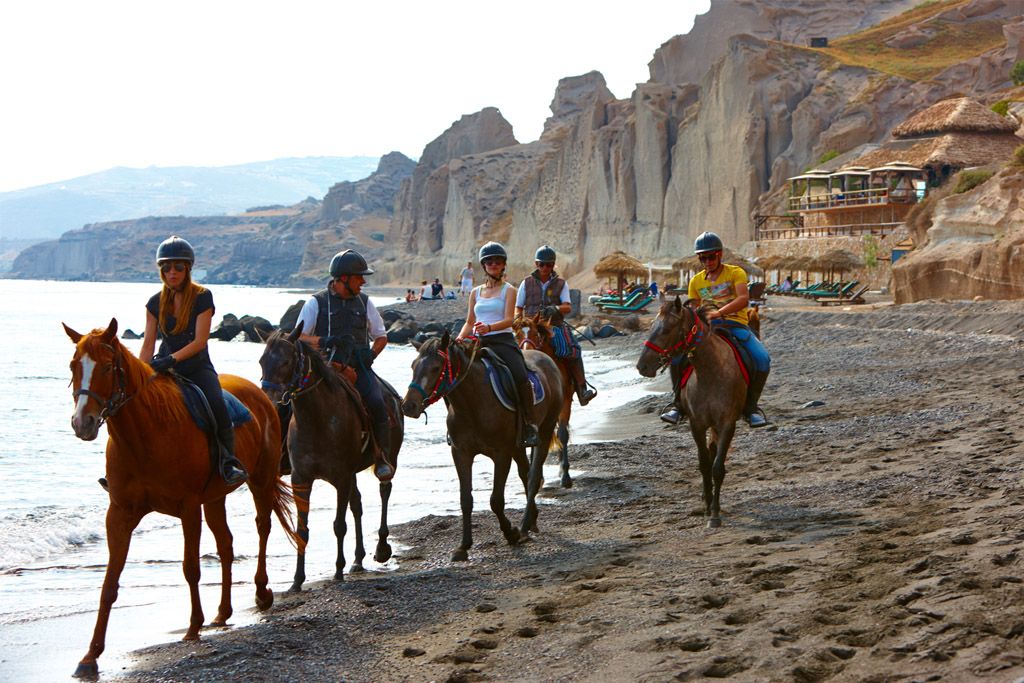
[
  {"x": 110, "y": 332},
  {"x": 677, "y": 304},
  {"x": 416, "y": 343},
  {"x": 661, "y": 296},
  {"x": 294, "y": 336},
  {"x": 445, "y": 339},
  {"x": 259, "y": 334},
  {"x": 75, "y": 336}
]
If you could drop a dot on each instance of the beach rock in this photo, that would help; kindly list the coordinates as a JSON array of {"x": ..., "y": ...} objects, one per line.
[
  {"x": 291, "y": 316},
  {"x": 608, "y": 331},
  {"x": 402, "y": 331},
  {"x": 256, "y": 328},
  {"x": 229, "y": 328},
  {"x": 129, "y": 334},
  {"x": 813, "y": 404}
]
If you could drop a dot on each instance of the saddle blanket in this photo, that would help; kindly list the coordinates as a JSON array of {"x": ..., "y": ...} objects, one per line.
[
  {"x": 741, "y": 359},
  {"x": 195, "y": 401},
  {"x": 502, "y": 385}
]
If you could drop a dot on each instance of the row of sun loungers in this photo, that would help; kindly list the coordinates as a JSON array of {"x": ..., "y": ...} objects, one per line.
[{"x": 826, "y": 293}]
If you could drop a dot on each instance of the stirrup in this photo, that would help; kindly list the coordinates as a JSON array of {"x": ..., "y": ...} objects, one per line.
[
  {"x": 233, "y": 474},
  {"x": 586, "y": 396},
  {"x": 671, "y": 416},
  {"x": 756, "y": 419},
  {"x": 382, "y": 469},
  {"x": 530, "y": 436}
]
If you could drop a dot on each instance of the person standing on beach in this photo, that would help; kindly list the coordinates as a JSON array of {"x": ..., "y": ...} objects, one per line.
[
  {"x": 725, "y": 286},
  {"x": 341, "y": 321},
  {"x": 545, "y": 293},
  {"x": 181, "y": 314},
  {"x": 490, "y": 316},
  {"x": 466, "y": 279}
]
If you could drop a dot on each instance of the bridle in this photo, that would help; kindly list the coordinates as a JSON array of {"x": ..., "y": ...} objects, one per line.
[
  {"x": 685, "y": 346},
  {"x": 450, "y": 376},
  {"x": 301, "y": 380},
  {"x": 118, "y": 397}
]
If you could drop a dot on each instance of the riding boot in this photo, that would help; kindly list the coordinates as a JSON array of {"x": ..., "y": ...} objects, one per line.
[
  {"x": 231, "y": 468},
  {"x": 530, "y": 437},
  {"x": 675, "y": 412},
  {"x": 754, "y": 416},
  {"x": 584, "y": 394},
  {"x": 382, "y": 469}
]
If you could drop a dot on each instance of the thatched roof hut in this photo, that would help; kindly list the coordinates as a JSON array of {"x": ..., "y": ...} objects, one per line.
[
  {"x": 693, "y": 264},
  {"x": 960, "y": 114},
  {"x": 951, "y": 134},
  {"x": 619, "y": 263}
]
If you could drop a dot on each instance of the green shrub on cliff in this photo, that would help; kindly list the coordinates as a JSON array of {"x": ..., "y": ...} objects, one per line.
[
  {"x": 1002, "y": 107},
  {"x": 1018, "y": 157},
  {"x": 970, "y": 179},
  {"x": 1017, "y": 73}
]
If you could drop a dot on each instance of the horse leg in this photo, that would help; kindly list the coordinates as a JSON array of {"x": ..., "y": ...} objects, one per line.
[
  {"x": 563, "y": 468},
  {"x": 502, "y": 467},
  {"x": 302, "y": 490},
  {"x": 263, "y": 498},
  {"x": 464, "y": 468},
  {"x": 538, "y": 455},
  {"x": 383, "y": 552},
  {"x": 355, "y": 504},
  {"x": 344, "y": 488},
  {"x": 718, "y": 471},
  {"x": 704, "y": 461},
  {"x": 217, "y": 520},
  {"x": 120, "y": 525},
  {"x": 192, "y": 526}
]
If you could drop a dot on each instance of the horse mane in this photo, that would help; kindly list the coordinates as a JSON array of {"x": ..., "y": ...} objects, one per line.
[
  {"x": 316, "y": 361},
  {"x": 159, "y": 394}
]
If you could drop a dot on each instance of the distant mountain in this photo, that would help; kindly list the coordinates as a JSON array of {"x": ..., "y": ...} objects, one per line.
[{"x": 47, "y": 211}]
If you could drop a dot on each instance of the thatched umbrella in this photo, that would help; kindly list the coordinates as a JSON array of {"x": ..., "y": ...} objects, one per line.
[
  {"x": 620, "y": 264},
  {"x": 841, "y": 260},
  {"x": 770, "y": 263}
]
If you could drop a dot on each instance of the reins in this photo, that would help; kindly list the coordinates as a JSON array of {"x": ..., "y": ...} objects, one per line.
[
  {"x": 685, "y": 346},
  {"x": 117, "y": 398},
  {"x": 455, "y": 375},
  {"x": 301, "y": 381}
]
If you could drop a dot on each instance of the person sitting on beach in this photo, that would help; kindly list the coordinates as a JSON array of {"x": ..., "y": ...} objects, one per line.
[
  {"x": 653, "y": 288},
  {"x": 787, "y": 284},
  {"x": 425, "y": 292},
  {"x": 436, "y": 289},
  {"x": 181, "y": 312},
  {"x": 340, "y": 321},
  {"x": 725, "y": 286},
  {"x": 490, "y": 316},
  {"x": 545, "y": 293},
  {"x": 410, "y": 295},
  {"x": 466, "y": 279}
]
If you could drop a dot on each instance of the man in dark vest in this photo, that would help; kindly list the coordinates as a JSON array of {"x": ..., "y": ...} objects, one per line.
[
  {"x": 341, "y": 321},
  {"x": 544, "y": 292}
]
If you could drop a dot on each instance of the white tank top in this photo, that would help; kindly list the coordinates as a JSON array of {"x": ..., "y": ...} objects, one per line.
[{"x": 490, "y": 310}]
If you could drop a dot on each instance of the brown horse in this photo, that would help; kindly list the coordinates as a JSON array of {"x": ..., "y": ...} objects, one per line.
[
  {"x": 479, "y": 423},
  {"x": 158, "y": 460},
  {"x": 325, "y": 441},
  {"x": 714, "y": 395},
  {"x": 537, "y": 335}
]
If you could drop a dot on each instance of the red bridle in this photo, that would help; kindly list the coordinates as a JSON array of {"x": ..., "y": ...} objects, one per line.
[{"x": 686, "y": 345}]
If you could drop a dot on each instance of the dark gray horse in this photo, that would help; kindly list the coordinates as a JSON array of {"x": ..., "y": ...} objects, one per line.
[
  {"x": 714, "y": 395},
  {"x": 326, "y": 440},
  {"x": 478, "y": 423}
]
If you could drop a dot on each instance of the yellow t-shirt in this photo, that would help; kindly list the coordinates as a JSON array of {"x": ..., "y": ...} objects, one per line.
[{"x": 721, "y": 291}]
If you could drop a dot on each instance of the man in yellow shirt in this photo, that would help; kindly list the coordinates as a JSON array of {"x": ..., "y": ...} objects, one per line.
[{"x": 726, "y": 286}]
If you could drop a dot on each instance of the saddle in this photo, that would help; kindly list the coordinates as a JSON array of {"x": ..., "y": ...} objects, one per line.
[
  {"x": 746, "y": 363},
  {"x": 347, "y": 375},
  {"x": 500, "y": 378},
  {"x": 201, "y": 413}
]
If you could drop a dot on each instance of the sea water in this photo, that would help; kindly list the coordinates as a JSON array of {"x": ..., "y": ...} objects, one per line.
[{"x": 52, "y": 542}]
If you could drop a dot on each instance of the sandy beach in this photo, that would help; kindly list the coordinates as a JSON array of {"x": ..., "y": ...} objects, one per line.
[{"x": 872, "y": 533}]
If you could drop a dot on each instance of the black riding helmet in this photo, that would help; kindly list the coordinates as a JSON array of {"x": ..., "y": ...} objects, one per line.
[
  {"x": 545, "y": 255},
  {"x": 349, "y": 262},
  {"x": 707, "y": 241},
  {"x": 492, "y": 249},
  {"x": 175, "y": 248}
]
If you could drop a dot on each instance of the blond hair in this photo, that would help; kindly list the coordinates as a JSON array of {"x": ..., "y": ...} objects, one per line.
[{"x": 190, "y": 290}]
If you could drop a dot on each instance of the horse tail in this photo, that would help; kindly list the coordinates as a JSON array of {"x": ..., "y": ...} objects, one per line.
[
  {"x": 556, "y": 443},
  {"x": 284, "y": 501}
]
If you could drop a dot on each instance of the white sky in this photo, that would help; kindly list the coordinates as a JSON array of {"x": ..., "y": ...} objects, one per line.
[{"x": 88, "y": 85}]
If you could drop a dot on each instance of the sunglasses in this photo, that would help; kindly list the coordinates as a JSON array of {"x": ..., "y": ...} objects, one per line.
[
  {"x": 545, "y": 264},
  {"x": 708, "y": 257},
  {"x": 493, "y": 261},
  {"x": 178, "y": 266}
]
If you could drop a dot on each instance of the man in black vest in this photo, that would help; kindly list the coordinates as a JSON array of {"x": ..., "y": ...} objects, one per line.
[
  {"x": 543, "y": 291},
  {"x": 340, "y": 321}
]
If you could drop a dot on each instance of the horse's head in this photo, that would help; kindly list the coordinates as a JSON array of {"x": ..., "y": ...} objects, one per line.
[
  {"x": 668, "y": 335},
  {"x": 432, "y": 374},
  {"x": 280, "y": 363},
  {"x": 97, "y": 379}
]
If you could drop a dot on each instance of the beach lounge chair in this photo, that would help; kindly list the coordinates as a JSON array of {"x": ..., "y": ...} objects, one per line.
[
  {"x": 626, "y": 300},
  {"x": 855, "y": 297},
  {"x": 840, "y": 291},
  {"x": 635, "y": 307},
  {"x": 800, "y": 291}
]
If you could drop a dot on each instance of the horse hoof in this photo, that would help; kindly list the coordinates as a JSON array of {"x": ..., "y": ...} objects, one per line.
[
  {"x": 339, "y": 575},
  {"x": 87, "y": 670},
  {"x": 264, "y": 600},
  {"x": 191, "y": 636},
  {"x": 714, "y": 523},
  {"x": 383, "y": 554},
  {"x": 460, "y": 555},
  {"x": 296, "y": 588},
  {"x": 356, "y": 569},
  {"x": 567, "y": 482}
]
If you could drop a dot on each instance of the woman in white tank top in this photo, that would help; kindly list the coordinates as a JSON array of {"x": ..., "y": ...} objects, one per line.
[{"x": 491, "y": 311}]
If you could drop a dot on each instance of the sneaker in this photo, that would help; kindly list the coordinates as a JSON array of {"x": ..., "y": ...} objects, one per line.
[
  {"x": 103, "y": 484},
  {"x": 586, "y": 397},
  {"x": 530, "y": 436},
  {"x": 233, "y": 476},
  {"x": 756, "y": 419}
]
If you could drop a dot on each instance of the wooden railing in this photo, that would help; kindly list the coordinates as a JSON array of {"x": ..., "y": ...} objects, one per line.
[
  {"x": 762, "y": 231},
  {"x": 840, "y": 200}
]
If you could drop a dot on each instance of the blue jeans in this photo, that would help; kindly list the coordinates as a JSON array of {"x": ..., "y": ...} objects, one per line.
[{"x": 753, "y": 345}]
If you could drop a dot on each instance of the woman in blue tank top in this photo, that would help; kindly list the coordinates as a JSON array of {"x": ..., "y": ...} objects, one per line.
[{"x": 491, "y": 311}]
